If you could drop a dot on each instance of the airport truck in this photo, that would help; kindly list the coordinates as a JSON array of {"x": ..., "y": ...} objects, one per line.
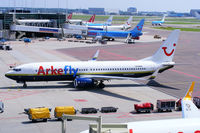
[
  {"x": 59, "y": 111},
  {"x": 166, "y": 105},
  {"x": 144, "y": 107},
  {"x": 40, "y": 113}
]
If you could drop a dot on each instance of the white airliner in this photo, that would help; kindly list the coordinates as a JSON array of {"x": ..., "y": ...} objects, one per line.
[
  {"x": 190, "y": 122},
  {"x": 159, "y": 22},
  {"x": 93, "y": 73},
  {"x": 125, "y": 26}
]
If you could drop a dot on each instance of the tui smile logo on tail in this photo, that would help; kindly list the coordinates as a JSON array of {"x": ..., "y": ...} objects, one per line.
[
  {"x": 168, "y": 54},
  {"x": 139, "y": 27}
]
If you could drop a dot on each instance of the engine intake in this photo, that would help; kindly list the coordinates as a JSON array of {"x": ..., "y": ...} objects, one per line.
[{"x": 84, "y": 83}]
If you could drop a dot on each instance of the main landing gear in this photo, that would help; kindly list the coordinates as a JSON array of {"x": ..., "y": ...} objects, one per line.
[
  {"x": 24, "y": 85},
  {"x": 101, "y": 85}
]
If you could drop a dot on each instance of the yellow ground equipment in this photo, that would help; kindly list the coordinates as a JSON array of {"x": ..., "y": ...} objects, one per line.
[
  {"x": 39, "y": 113},
  {"x": 59, "y": 111}
]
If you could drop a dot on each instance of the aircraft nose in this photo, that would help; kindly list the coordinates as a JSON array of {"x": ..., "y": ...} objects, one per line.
[{"x": 8, "y": 74}]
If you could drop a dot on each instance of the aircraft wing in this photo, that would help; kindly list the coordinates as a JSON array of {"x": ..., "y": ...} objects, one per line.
[
  {"x": 103, "y": 77},
  {"x": 189, "y": 110}
]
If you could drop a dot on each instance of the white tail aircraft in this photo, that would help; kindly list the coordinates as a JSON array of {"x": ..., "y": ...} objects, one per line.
[
  {"x": 93, "y": 73},
  {"x": 189, "y": 123},
  {"x": 159, "y": 22},
  {"x": 125, "y": 26},
  {"x": 197, "y": 15}
]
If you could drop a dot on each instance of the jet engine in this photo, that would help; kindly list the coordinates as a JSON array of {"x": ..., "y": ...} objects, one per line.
[{"x": 84, "y": 83}]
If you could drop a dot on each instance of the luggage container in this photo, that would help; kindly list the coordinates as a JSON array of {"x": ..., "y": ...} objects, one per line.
[
  {"x": 89, "y": 110},
  {"x": 145, "y": 107},
  {"x": 59, "y": 111},
  {"x": 40, "y": 113},
  {"x": 166, "y": 105},
  {"x": 108, "y": 109}
]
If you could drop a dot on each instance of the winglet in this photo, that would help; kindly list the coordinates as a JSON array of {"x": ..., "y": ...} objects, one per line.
[
  {"x": 188, "y": 95},
  {"x": 95, "y": 56}
]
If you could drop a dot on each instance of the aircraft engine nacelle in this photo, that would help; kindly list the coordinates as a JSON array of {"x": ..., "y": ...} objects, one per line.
[{"x": 84, "y": 83}]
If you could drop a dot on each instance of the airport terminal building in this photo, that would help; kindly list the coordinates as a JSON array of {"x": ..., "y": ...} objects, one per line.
[{"x": 7, "y": 20}]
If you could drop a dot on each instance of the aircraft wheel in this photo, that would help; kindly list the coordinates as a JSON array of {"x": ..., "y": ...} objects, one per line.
[
  {"x": 24, "y": 85},
  {"x": 101, "y": 85}
]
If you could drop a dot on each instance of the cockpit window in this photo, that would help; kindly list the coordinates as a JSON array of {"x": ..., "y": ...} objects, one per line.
[{"x": 17, "y": 69}]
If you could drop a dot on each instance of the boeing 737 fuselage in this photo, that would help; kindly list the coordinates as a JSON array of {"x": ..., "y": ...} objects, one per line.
[{"x": 93, "y": 73}]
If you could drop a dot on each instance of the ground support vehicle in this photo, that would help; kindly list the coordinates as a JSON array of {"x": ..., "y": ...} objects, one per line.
[
  {"x": 68, "y": 110},
  {"x": 40, "y": 113},
  {"x": 89, "y": 110},
  {"x": 108, "y": 109},
  {"x": 145, "y": 107},
  {"x": 166, "y": 105}
]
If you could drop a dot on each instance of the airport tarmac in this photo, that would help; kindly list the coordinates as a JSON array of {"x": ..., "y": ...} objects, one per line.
[{"x": 123, "y": 94}]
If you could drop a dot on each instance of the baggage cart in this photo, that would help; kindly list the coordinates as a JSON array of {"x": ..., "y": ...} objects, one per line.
[
  {"x": 89, "y": 110},
  {"x": 108, "y": 109},
  {"x": 59, "y": 111},
  {"x": 40, "y": 113},
  {"x": 166, "y": 105}
]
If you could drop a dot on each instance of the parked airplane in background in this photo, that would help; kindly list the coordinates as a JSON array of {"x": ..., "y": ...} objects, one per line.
[
  {"x": 159, "y": 22},
  {"x": 125, "y": 26},
  {"x": 93, "y": 73},
  {"x": 197, "y": 15},
  {"x": 107, "y": 23},
  {"x": 130, "y": 36},
  {"x": 78, "y": 21},
  {"x": 190, "y": 122}
]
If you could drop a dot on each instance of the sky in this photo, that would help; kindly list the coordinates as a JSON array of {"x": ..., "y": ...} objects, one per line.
[{"x": 141, "y": 5}]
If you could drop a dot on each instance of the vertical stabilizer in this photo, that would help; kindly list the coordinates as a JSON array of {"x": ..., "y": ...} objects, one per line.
[
  {"x": 127, "y": 25},
  {"x": 109, "y": 21},
  {"x": 91, "y": 20},
  {"x": 138, "y": 28},
  {"x": 197, "y": 15},
  {"x": 189, "y": 109},
  {"x": 166, "y": 52},
  {"x": 163, "y": 19},
  {"x": 69, "y": 16}
]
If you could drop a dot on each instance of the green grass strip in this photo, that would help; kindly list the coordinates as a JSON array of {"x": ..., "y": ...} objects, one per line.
[{"x": 173, "y": 28}]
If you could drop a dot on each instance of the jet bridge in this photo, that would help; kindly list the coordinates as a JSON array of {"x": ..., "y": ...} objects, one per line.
[{"x": 23, "y": 28}]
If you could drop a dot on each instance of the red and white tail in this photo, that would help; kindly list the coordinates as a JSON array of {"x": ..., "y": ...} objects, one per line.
[
  {"x": 69, "y": 16},
  {"x": 91, "y": 20}
]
